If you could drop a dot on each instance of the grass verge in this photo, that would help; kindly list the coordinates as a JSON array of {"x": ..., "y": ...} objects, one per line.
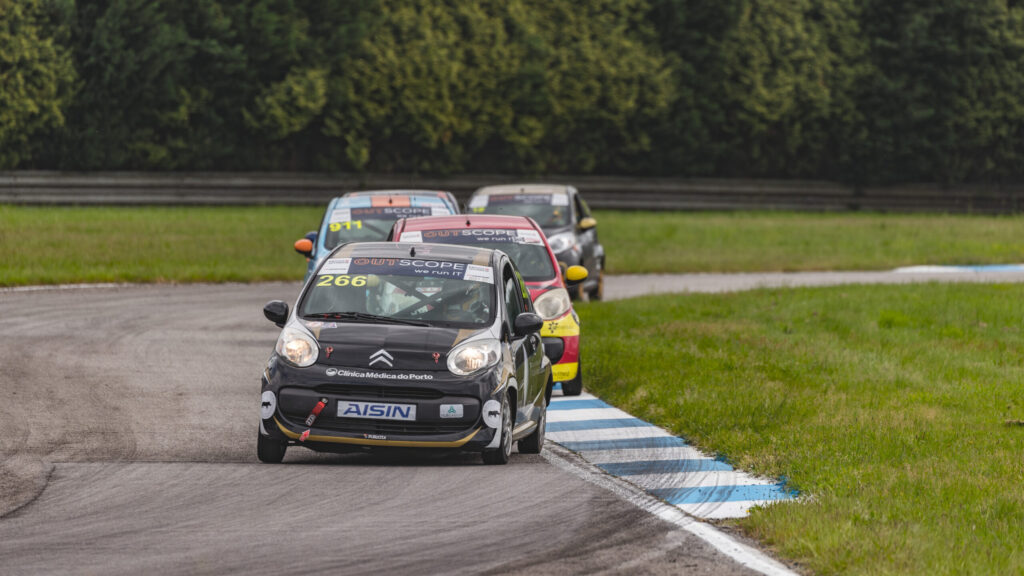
[
  {"x": 46, "y": 245},
  {"x": 894, "y": 407},
  {"x": 54, "y": 245},
  {"x": 665, "y": 242}
]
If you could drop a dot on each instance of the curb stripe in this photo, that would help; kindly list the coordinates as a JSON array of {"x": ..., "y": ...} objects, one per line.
[
  {"x": 634, "y": 454},
  {"x": 577, "y": 404},
  {"x": 664, "y": 467},
  {"x": 572, "y": 425},
  {"x": 653, "y": 459},
  {"x": 652, "y": 442},
  {"x": 721, "y": 494}
]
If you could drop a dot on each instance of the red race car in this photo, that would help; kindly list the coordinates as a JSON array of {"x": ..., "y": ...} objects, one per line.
[{"x": 524, "y": 242}]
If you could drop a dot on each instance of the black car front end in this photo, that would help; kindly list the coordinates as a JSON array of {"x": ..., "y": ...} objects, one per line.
[{"x": 357, "y": 408}]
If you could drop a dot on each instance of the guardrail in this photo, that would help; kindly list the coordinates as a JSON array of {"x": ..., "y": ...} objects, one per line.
[{"x": 600, "y": 191}]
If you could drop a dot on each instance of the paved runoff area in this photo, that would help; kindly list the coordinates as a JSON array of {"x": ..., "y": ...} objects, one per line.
[{"x": 662, "y": 464}]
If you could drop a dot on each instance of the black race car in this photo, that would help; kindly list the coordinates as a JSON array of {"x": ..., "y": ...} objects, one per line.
[
  {"x": 407, "y": 345},
  {"x": 565, "y": 219}
]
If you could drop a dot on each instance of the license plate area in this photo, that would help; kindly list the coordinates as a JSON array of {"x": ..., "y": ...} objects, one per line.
[{"x": 376, "y": 410}]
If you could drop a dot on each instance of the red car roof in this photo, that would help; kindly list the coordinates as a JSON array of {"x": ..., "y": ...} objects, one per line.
[{"x": 470, "y": 221}]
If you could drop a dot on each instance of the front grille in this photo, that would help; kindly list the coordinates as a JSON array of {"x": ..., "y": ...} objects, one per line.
[
  {"x": 363, "y": 391},
  {"x": 388, "y": 427}
]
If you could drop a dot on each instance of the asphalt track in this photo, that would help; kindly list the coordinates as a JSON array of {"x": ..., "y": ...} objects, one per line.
[{"x": 127, "y": 437}]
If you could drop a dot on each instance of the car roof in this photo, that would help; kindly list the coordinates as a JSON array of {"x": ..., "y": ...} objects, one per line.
[
  {"x": 471, "y": 221},
  {"x": 445, "y": 252},
  {"x": 372, "y": 198},
  {"x": 436, "y": 193},
  {"x": 524, "y": 189}
]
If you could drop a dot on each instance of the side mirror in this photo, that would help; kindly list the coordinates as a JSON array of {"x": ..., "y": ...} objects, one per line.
[
  {"x": 587, "y": 223},
  {"x": 527, "y": 323},
  {"x": 304, "y": 247},
  {"x": 277, "y": 312},
  {"x": 575, "y": 274}
]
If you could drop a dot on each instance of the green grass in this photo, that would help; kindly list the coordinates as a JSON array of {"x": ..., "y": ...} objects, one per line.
[
  {"x": 155, "y": 244},
  {"x": 893, "y": 408},
  {"x": 151, "y": 244},
  {"x": 646, "y": 242}
]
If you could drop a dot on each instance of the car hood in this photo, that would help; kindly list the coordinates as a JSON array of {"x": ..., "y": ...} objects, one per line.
[
  {"x": 538, "y": 288},
  {"x": 550, "y": 231},
  {"x": 406, "y": 348}
]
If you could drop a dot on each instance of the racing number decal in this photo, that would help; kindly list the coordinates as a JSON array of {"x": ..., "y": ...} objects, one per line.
[
  {"x": 336, "y": 226},
  {"x": 342, "y": 280}
]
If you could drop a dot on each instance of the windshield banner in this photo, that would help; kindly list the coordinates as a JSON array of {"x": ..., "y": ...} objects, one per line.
[
  {"x": 473, "y": 236},
  {"x": 386, "y": 213},
  {"x": 409, "y": 267}
]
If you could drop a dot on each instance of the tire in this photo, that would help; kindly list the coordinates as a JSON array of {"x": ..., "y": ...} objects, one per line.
[
  {"x": 597, "y": 293},
  {"x": 501, "y": 454},
  {"x": 268, "y": 450},
  {"x": 534, "y": 443},
  {"x": 574, "y": 387},
  {"x": 579, "y": 293}
]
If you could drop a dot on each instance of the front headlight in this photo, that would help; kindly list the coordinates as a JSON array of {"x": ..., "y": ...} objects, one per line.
[
  {"x": 473, "y": 357},
  {"x": 297, "y": 347},
  {"x": 552, "y": 304},
  {"x": 561, "y": 242}
]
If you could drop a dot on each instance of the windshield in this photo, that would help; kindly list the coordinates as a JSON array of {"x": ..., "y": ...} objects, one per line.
[
  {"x": 371, "y": 224},
  {"x": 524, "y": 247},
  {"x": 402, "y": 289},
  {"x": 548, "y": 210}
]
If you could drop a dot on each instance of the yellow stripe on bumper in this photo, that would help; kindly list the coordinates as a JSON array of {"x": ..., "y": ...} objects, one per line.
[
  {"x": 371, "y": 442},
  {"x": 564, "y": 326},
  {"x": 564, "y": 372}
]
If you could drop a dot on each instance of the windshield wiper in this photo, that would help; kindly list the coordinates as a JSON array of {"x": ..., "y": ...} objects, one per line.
[
  {"x": 365, "y": 317},
  {"x": 319, "y": 315}
]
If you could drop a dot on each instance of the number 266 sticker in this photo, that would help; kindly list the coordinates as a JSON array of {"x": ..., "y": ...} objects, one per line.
[{"x": 341, "y": 280}]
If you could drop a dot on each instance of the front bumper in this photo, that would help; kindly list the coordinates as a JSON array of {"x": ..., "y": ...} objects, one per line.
[
  {"x": 298, "y": 390},
  {"x": 561, "y": 338}
]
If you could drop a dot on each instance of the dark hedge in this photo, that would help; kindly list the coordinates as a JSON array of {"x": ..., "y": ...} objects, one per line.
[{"x": 867, "y": 91}]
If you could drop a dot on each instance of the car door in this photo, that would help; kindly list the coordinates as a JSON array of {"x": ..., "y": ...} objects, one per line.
[
  {"x": 587, "y": 238},
  {"x": 534, "y": 351},
  {"x": 512, "y": 296}
]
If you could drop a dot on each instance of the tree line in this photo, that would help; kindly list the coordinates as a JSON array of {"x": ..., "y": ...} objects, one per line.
[{"x": 860, "y": 91}]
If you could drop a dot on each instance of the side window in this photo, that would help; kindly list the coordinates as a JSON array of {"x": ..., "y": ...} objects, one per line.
[
  {"x": 582, "y": 210},
  {"x": 583, "y": 205},
  {"x": 527, "y": 302},
  {"x": 513, "y": 304}
]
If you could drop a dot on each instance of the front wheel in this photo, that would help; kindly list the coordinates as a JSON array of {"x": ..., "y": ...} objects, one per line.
[
  {"x": 269, "y": 450},
  {"x": 574, "y": 387},
  {"x": 534, "y": 443},
  {"x": 500, "y": 454}
]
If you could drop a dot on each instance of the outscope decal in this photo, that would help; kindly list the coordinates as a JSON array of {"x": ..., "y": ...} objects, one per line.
[{"x": 664, "y": 465}]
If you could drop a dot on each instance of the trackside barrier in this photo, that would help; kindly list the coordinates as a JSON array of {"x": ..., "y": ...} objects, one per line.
[{"x": 127, "y": 188}]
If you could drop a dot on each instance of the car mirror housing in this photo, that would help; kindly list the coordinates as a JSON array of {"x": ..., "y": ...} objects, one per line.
[
  {"x": 304, "y": 247},
  {"x": 575, "y": 274},
  {"x": 277, "y": 312},
  {"x": 527, "y": 323},
  {"x": 588, "y": 223}
]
